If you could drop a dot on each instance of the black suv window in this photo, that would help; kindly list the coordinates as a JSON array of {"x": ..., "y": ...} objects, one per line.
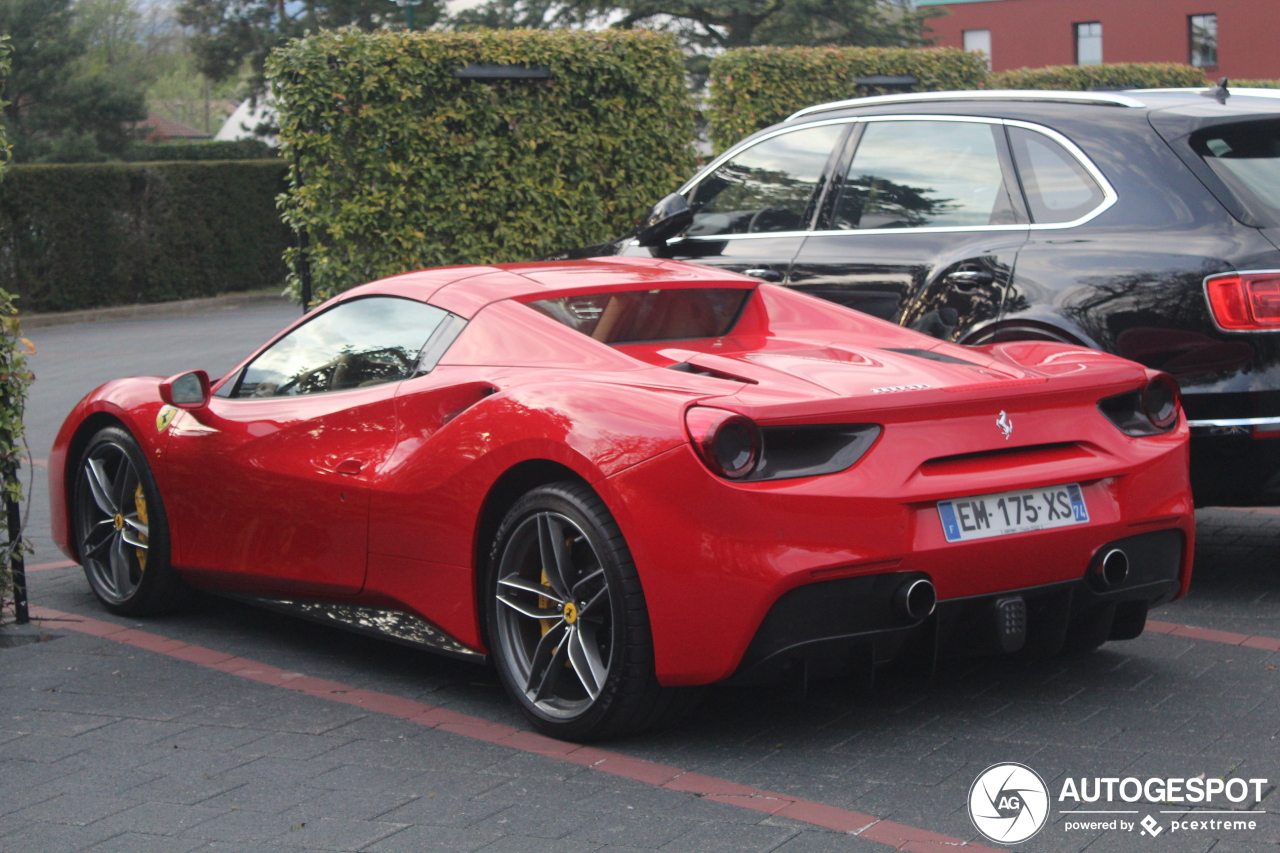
[
  {"x": 354, "y": 344},
  {"x": 1247, "y": 159},
  {"x": 1057, "y": 187},
  {"x": 767, "y": 187},
  {"x": 913, "y": 174}
]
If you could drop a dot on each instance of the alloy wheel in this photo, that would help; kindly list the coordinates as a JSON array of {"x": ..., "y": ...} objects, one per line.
[
  {"x": 112, "y": 522},
  {"x": 555, "y": 616}
]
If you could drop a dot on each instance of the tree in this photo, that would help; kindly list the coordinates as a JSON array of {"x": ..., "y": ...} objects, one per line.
[
  {"x": 57, "y": 110},
  {"x": 723, "y": 24},
  {"x": 228, "y": 33}
]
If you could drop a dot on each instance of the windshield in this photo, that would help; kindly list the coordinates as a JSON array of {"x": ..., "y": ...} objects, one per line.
[
  {"x": 1247, "y": 159},
  {"x": 649, "y": 315}
]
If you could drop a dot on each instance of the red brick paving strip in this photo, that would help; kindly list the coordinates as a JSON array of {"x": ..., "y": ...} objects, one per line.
[
  {"x": 1270, "y": 644},
  {"x": 61, "y": 564},
  {"x": 650, "y": 772}
]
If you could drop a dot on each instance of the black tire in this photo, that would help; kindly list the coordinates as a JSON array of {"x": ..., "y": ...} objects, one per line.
[
  {"x": 577, "y": 660},
  {"x": 120, "y": 529}
]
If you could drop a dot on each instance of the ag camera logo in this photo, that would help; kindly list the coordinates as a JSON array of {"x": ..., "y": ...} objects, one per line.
[{"x": 1008, "y": 803}]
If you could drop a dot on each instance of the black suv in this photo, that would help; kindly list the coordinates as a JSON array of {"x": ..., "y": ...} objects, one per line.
[{"x": 1144, "y": 223}]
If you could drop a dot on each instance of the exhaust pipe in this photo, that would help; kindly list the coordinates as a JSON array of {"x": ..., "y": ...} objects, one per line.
[
  {"x": 1113, "y": 568},
  {"x": 915, "y": 599}
]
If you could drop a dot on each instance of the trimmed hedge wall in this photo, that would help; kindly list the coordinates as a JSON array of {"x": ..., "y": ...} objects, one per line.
[
  {"x": 398, "y": 164},
  {"x": 240, "y": 149},
  {"x": 1253, "y": 84},
  {"x": 1085, "y": 78},
  {"x": 754, "y": 87},
  {"x": 85, "y": 236}
]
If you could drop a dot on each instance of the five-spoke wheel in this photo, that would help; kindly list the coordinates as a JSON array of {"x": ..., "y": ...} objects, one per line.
[
  {"x": 555, "y": 619},
  {"x": 119, "y": 527},
  {"x": 568, "y": 626}
]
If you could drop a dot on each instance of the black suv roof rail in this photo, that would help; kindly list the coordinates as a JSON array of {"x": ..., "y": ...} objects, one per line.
[
  {"x": 1232, "y": 91},
  {"x": 1111, "y": 99}
]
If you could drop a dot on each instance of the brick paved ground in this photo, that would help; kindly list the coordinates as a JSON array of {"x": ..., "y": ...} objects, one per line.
[{"x": 105, "y": 746}]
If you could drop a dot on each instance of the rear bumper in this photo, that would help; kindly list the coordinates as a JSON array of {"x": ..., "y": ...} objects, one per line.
[
  {"x": 1230, "y": 467},
  {"x": 1235, "y": 448},
  {"x": 827, "y": 628}
]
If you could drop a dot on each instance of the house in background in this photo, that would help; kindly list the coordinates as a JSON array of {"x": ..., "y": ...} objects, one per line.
[
  {"x": 158, "y": 128},
  {"x": 1231, "y": 38}
]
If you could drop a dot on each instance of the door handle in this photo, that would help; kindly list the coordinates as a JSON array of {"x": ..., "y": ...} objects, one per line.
[
  {"x": 965, "y": 280},
  {"x": 764, "y": 274},
  {"x": 350, "y": 467}
]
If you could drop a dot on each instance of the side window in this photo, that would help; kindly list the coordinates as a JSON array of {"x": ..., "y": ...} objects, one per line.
[
  {"x": 352, "y": 345},
  {"x": 1057, "y": 187},
  {"x": 914, "y": 174},
  {"x": 767, "y": 187}
]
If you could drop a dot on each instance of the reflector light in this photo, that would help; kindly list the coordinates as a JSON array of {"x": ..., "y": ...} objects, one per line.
[{"x": 1246, "y": 301}]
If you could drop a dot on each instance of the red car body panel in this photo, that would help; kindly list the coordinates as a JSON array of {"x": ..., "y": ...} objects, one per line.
[{"x": 376, "y": 495}]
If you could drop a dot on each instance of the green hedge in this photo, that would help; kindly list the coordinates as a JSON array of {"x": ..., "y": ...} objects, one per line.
[
  {"x": 1085, "y": 78},
  {"x": 755, "y": 87},
  {"x": 401, "y": 165},
  {"x": 84, "y": 236},
  {"x": 1253, "y": 84},
  {"x": 154, "y": 152}
]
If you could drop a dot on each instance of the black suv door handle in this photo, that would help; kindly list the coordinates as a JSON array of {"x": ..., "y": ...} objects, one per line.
[
  {"x": 970, "y": 279},
  {"x": 764, "y": 274}
]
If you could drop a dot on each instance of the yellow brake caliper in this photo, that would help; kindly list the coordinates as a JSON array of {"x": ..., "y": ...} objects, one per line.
[
  {"x": 544, "y": 603},
  {"x": 140, "y": 501}
]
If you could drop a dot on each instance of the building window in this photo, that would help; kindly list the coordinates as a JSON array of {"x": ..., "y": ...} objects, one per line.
[
  {"x": 1089, "y": 43},
  {"x": 1204, "y": 40},
  {"x": 975, "y": 40}
]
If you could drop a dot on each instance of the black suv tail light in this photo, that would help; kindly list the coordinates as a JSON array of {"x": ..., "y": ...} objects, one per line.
[{"x": 1245, "y": 301}]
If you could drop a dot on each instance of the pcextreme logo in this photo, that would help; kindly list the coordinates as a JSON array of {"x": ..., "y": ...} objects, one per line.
[{"x": 1008, "y": 803}]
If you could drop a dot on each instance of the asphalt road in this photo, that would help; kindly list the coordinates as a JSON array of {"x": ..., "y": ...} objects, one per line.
[{"x": 200, "y": 731}]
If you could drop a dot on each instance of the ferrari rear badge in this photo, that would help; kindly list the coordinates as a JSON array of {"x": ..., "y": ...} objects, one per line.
[
  {"x": 165, "y": 417},
  {"x": 1005, "y": 424}
]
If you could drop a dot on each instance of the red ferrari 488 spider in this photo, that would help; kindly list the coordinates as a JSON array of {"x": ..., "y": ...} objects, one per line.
[{"x": 620, "y": 478}]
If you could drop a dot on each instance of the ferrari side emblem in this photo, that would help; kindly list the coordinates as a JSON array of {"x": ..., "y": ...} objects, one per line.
[
  {"x": 165, "y": 417},
  {"x": 1005, "y": 424}
]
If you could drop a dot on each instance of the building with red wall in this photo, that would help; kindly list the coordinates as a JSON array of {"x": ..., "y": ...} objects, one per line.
[{"x": 1035, "y": 33}]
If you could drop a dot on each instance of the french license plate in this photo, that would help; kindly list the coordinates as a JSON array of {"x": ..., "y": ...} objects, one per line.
[{"x": 1012, "y": 512}]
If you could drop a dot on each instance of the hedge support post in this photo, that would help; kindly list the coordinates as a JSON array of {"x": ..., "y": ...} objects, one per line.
[{"x": 17, "y": 566}]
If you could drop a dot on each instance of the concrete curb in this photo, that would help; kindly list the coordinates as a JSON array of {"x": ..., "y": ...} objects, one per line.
[{"x": 158, "y": 309}]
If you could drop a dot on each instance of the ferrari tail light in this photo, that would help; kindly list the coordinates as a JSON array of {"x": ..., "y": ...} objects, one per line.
[
  {"x": 728, "y": 443},
  {"x": 1245, "y": 301},
  {"x": 1160, "y": 402},
  {"x": 1150, "y": 410},
  {"x": 733, "y": 447}
]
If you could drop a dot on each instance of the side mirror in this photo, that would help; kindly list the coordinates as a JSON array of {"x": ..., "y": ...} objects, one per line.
[
  {"x": 186, "y": 390},
  {"x": 667, "y": 219}
]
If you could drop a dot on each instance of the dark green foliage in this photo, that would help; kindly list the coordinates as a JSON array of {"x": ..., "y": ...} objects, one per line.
[
  {"x": 1253, "y": 84},
  {"x": 227, "y": 33},
  {"x": 15, "y": 381},
  {"x": 756, "y": 87},
  {"x": 83, "y": 236},
  {"x": 240, "y": 149},
  {"x": 1087, "y": 78},
  {"x": 55, "y": 113},
  {"x": 402, "y": 165}
]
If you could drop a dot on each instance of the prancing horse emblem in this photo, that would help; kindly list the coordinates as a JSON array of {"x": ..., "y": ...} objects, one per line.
[{"x": 1006, "y": 425}]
